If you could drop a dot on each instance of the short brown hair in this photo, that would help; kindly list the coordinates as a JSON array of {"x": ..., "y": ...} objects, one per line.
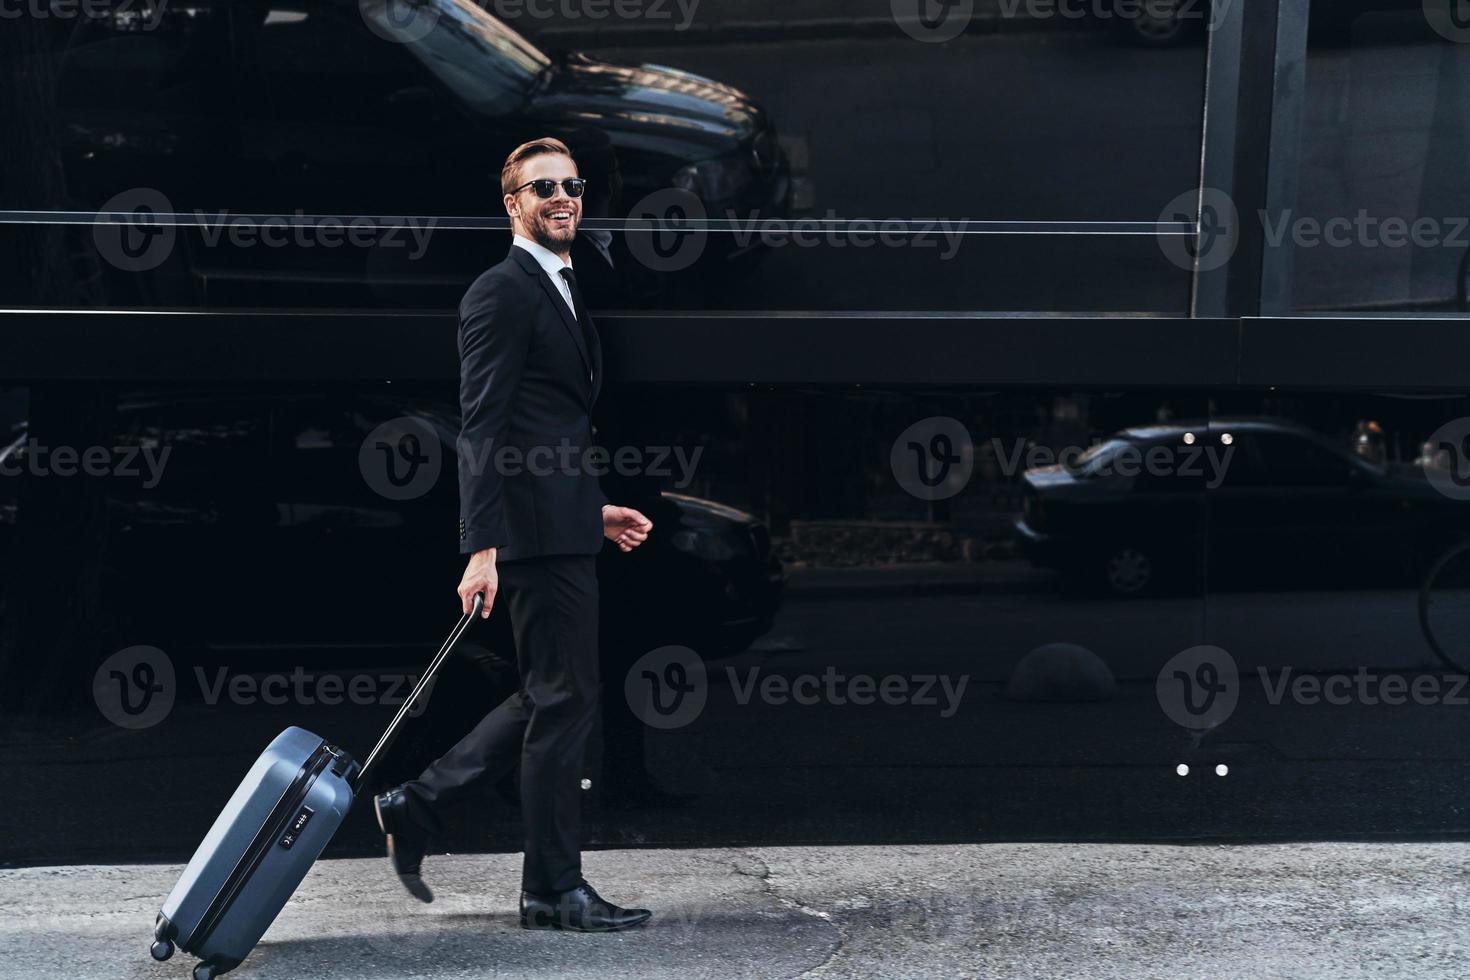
[{"x": 510, "y": 174}]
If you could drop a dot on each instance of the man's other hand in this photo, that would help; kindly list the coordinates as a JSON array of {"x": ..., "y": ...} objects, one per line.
[{"x": 625, "y": 527}]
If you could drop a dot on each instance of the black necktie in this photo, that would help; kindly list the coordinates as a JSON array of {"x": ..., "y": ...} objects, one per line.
[{"x": 589, "y": 334}]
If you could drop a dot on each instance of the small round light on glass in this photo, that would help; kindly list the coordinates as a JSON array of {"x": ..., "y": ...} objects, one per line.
[
  {"x": 1222, "y": 770},
  {"x": 1182, "y": 769},
  {"x": 1227, "y": 440},
  {"x": 587, "y": 783},
  {"x": 1189, "y": 438}
]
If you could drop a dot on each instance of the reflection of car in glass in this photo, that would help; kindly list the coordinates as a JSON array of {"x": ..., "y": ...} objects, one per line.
[
  {"x": 1110, "y": 522},
  {"x": 381, "y": 107},
  {"x": 1284, "y": 508},
  {"x": 265, "y": 532}
]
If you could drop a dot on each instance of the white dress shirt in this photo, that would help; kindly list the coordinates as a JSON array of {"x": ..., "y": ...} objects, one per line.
[{"x": 552, "y": 264}]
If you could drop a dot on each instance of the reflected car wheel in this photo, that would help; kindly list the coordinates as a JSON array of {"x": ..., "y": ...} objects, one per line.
[
  {"x": 1444, "y": 606},
  {"x": 1128, "y": 571}
]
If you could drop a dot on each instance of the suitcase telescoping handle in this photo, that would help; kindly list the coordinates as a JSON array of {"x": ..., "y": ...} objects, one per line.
[{"x": 386, "y": 741}]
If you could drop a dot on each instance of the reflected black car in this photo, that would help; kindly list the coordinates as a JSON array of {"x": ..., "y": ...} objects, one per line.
[
  {"x": 268, "y": 526},
  {"x": 1284, "y": 508},
  {"x": 1113, "y": 523},
  {"x": 296, "y": 108}
]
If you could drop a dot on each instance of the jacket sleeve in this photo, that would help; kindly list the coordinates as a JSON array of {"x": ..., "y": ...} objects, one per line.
[{"x": 494, "y": 336}]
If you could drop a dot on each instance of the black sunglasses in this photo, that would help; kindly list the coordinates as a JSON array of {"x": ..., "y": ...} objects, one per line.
[{"x": 574, "y": 186}]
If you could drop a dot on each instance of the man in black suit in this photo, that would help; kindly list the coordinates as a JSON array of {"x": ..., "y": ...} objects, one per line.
[{"x": 532, "y": 520}]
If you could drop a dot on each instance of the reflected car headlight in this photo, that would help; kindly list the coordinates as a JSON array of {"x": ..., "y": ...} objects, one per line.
[
  {"x": 707, "y": 543},
  {"x": 715, "y": 180}
]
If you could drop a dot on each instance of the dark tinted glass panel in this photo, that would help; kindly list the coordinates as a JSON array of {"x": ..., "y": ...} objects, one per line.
[
  {"x": 783, "y": 267},
  {"x": 1380, "y": 216},
  {"x": 825, "y": 137},
  {"x": 1114, "y": 601},
  {"x": 1006, "y": 571},
  {"x": 1338, "y": 597},
  {"x": 115, "y": 62}
]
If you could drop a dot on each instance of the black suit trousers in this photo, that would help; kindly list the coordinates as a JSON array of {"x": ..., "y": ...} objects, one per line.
[{"x": 552, "y": 602}]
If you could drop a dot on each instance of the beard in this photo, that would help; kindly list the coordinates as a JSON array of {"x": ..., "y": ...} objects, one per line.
[{"x": 552, "y": 237}]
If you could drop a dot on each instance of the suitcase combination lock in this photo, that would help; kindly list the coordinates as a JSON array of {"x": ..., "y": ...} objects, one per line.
[{"x": 297, "y": 826}]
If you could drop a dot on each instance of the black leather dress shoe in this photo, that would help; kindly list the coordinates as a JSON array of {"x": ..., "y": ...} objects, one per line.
[
  {"x": 407, "y": 840},
  {"x": 581, "y": 909}
]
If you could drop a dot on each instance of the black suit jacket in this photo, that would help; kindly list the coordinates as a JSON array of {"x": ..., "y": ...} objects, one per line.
[{"x": 526, "y": 484}]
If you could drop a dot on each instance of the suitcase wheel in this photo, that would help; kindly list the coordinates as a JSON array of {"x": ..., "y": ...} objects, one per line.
[
  {"x": 205, "y": 971},
  {"x": 161, "y": 950}
]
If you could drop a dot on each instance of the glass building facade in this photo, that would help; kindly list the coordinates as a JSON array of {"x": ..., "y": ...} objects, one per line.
[{"x": 1043, "y": 408}]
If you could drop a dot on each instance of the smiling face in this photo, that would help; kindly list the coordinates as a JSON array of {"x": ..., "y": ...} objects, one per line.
[{"x": 551, "y": 222}]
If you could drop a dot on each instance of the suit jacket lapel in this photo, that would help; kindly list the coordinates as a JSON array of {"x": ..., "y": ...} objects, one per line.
[
  {"x": 592, "y": 364},
  {"x": 529, "y": 263}
]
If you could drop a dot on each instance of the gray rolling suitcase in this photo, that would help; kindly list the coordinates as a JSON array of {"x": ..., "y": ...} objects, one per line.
[{"x": 271, "y": 832}]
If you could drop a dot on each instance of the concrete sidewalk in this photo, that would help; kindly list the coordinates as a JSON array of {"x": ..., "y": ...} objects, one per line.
[{"x": 1033, "y": 910}]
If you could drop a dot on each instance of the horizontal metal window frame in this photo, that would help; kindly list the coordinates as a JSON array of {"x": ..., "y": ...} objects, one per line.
[
  {"x": 204, "y": 218},
  {"x": 1369, "y": 353}
]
